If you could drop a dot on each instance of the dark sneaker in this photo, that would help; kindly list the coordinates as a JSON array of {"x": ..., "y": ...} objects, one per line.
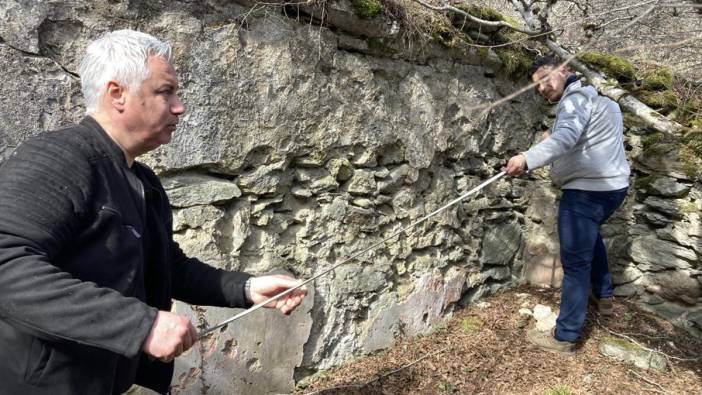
[
  {"x": 546, "y": 341},
  {"x": 603, "y": 306}
]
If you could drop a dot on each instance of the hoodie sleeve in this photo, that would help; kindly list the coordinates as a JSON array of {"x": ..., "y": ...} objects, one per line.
[{"x": 571, "y": 120}]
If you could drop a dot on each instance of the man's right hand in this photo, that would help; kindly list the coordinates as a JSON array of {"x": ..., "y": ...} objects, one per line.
[
  {"x": 516, "y": 165},
  {"x": 170, "y": 335}
]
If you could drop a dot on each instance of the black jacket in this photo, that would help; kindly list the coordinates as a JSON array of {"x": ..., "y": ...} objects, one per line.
[{"x": 75, "y": 293}]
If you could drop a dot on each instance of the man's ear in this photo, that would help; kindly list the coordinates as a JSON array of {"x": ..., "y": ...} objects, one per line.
[{"x": 116, "y": 95}]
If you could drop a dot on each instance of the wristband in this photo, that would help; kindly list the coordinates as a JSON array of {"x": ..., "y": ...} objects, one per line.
[{"x": 247, "y": 290}]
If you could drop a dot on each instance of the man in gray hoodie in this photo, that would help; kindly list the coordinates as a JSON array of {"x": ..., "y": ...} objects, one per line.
[{"x": 586, "y": 154}]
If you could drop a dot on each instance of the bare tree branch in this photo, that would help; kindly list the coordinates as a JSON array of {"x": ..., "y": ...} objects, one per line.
[
  {"x": 478, "y": 20},
  {"x": 673, "y": 45},
  {"x": 605, "y": 87}
]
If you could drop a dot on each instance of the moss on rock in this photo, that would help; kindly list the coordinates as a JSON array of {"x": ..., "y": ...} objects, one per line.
[
  {"x": 682, "y": 153},
  {"x": 693, "y": 140},
  {"x": 691, "y": 112},
  {"x": 516, "y": 61},
  {"x": 656, "y": 79},
  {"x": 627, "y": 345},
  {"x": 611, "y": 65},
  {"x": 447, "y": 35},
  {"x": 663, "y": 100},
  {"x": 691, "y": 163},
  {"x": 691, "y": 154},
  {"x": 651, "y": 139},
  {"x": 688, "y": 208},
  {"x": 484, "y": 13},
  {"x": 643, "y": 182},
  {"x": 367, "y": 8}
]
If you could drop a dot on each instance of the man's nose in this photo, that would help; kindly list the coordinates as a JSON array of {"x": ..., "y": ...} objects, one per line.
[
  {"x": 177, "y": 107},
  {"x": 540, "y": 88}
]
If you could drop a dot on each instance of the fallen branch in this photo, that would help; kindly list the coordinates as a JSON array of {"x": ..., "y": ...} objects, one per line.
[
  {"x": 478, "y": 20},
  {"x": 606, "y": 87}
]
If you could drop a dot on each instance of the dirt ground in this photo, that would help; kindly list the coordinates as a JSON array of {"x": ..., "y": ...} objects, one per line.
[{"x": 482, "y": 349}]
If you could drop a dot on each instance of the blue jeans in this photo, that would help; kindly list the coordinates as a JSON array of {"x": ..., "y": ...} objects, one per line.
[{"x": 583, "y": 255}]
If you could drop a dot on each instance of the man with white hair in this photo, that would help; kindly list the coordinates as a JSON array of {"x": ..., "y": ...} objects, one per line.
[{"x": 88, "y": 265}]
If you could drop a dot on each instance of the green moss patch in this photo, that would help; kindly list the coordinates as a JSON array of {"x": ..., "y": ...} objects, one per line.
[
  {"x": 691, "y": 162},
  {"x": 693, "y": 140},
  {"x": 685, "y": 150},
  {"x": 516, "y": 61},
  {"x": 559, "y": 390},
  {"x": 626, "y": 345},
  {"x": 688, "y": 208},
  {"x": 651, "y": 139},
  {"x": 484, "y": 13},
  {"x": 691, "y": 112},
  {"x": 611, "y": 65},
  {"x": 656, "y": 79},
  {"x": 515, "y": 58},
  {"x": 471, "y": 324},
  {"x": 674, "y": 97},
  {"x": 643, "y": 182},
  {"x": 665, "y": 101},
  {"x": 367, "y": 8},
  {"x": 448, "y": 36}
]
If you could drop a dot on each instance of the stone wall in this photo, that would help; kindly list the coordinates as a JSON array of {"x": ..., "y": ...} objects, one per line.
[
  {"x": 656, "y": 240},
  {"x": 305, "y": 143}
]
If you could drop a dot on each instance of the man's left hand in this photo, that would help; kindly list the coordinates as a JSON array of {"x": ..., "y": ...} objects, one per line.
[{"x": 265, "y": 287}]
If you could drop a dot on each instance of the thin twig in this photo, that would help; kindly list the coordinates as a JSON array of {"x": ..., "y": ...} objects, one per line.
[
  {"x": 623, "y": 336},
  {"x": 525, "y": 38},
  {"x": 661, "y": 390},
  {"x": 477, "y": 20},
  {"x": 367, "y": 383},
  {"x": 674, "y": 45},
  {"x": 409, "y": 364},
  {"x": 648, "y": 336},
  {"x": 338, "y": 387}
]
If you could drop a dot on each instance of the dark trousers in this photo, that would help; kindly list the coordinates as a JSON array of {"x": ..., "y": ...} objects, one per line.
[{"x": 583, "y": 255}]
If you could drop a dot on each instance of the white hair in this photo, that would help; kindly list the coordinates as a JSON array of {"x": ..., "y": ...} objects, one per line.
[{"x": 120, "y": 56}]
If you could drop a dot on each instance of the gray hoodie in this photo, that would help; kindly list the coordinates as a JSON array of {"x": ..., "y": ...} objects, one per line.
[{"x": 585, "y": 148}]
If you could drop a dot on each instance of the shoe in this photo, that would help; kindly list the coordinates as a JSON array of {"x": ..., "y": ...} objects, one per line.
[
  {"x": 546, "y": 341},
  {"x": 604, "y": 306}
]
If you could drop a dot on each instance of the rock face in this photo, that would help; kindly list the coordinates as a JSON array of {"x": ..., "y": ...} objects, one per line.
[
  {"x": 655, "y": 237},
  {"x": 305, "y": 144},
  {"x": 632, "y": 354}
]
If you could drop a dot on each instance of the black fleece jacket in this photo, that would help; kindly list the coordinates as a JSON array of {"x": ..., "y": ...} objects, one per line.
[{"x": 87, "y": 259}]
